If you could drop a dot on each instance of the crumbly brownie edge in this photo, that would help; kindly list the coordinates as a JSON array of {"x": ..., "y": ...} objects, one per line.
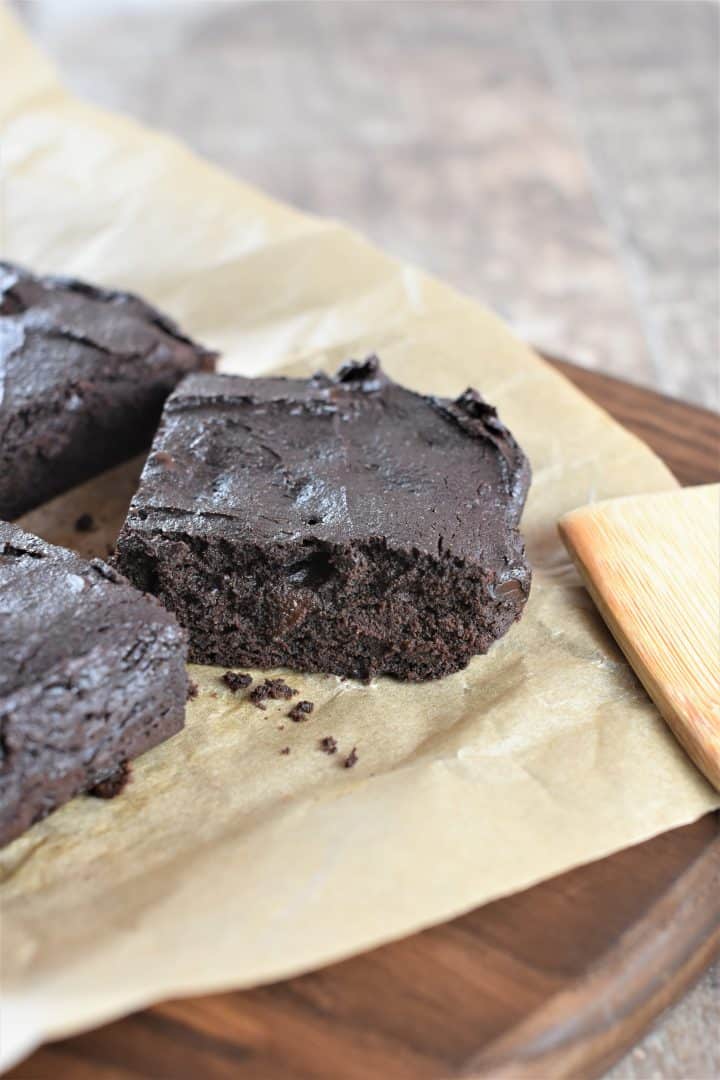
[{"x": 438, "y": 612}]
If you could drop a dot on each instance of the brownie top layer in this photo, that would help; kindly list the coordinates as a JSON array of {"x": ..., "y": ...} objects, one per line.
[
  {"x": 92, "y": 326},
  {"x": 55, "y": 605},
  {"x": 333, "y": 459}
]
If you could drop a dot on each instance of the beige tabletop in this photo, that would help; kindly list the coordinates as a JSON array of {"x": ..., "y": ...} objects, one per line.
[{"x": 557, "y": 160}]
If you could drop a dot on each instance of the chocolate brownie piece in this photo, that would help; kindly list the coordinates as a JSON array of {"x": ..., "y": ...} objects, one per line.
[
  {"x": 84, "y": 373},
  {"x": 92, "y": 673},
  {"x": 343, "y": 524},
  {"x": 270, "y": 690},
  {"x": 301, "y": 711},
  {"x": 237, "y": 680}
]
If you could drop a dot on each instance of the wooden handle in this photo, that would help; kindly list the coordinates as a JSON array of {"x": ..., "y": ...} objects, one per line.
[{"x": 652, "y": 565}]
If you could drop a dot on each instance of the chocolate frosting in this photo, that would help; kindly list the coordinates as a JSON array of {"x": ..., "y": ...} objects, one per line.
[
  {"x": 84, "y": 373},
  {"x": 351, "y": 457}
]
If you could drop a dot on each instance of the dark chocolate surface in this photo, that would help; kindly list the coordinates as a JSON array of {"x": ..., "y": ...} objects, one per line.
[
  {"x": 84, "y": 373},
  {"x": 92, "y": 674},
  {"x": 331, "y": 460},
  {"x": 344, "y": 524}
]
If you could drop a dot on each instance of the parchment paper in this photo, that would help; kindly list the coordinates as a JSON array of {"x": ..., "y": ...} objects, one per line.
[{"x": 225, "y": 863}]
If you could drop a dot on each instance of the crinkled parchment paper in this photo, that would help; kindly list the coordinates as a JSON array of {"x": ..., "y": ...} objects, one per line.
[{"x": 225, "y": 863}]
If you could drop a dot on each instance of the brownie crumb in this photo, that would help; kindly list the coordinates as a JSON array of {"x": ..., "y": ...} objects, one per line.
[
  {"x": 85, "y": 523},
  {"x": 301, "y": 711},
  {"x": 193, "y": 690},
  {"x": 236, "y": 680},
  {"x": 328, "y": 745},
  {"x": 285, "y": 750},
  {"x": 351, "y": 759},
  {"x": 275, "y": 689},
  {"x": 112, "y": 785}
]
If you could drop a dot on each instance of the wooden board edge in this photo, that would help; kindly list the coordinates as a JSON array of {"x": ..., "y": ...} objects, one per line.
[
  {"x": 586, "y": 1028},
  {"x": 689, "y": 434}
]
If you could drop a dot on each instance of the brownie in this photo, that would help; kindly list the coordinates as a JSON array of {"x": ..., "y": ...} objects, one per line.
[
  {"x": 84, "y": 373},
  {"x": 92, "y": 673},
  {"x": 342, "y": 524}
]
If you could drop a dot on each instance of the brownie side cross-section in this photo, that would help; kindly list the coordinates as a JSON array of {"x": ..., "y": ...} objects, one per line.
[
  {"x": 92, "y": 673},
  {"x": 344, "y": 524},
  {"x": 84, "y": 373}
]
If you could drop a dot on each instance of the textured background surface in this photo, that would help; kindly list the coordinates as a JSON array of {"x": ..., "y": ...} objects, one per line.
[{"x": 557, "y": 160}]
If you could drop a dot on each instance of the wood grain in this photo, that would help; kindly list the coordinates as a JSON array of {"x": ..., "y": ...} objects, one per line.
[
  {"x": 687, "y": 438},
  {"x": 557, "y": 981},
  {"x": 652, "y": 565}
]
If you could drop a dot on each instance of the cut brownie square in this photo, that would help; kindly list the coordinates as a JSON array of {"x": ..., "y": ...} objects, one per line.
[
  {"x": 84, "y": 373},
  {"x": 92, "y": 673},
  {"x": 343, "y": 524}
]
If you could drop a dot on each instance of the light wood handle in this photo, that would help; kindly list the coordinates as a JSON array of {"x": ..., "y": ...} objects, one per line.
[{"x": 652, "y": 565}]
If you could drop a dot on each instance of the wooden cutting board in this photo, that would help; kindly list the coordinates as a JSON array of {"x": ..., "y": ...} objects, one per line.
[{"x": 556, "y": 981}]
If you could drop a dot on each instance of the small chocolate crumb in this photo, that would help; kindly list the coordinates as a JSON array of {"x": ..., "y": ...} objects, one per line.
[
  {"x": 301, "y": 711},
  {"x": 285, "y": 750},
  {"x": 236, "y": 680},
  {"x": 328, "y": 745},
  {"x": 275, "y": 689},
  {"x": 113, "y": 784},
  {"x": 351, "y": 759},
  {"x": 213, "y": 693},
  {"x": 85, "y": 523},
  {"x": 193, "y": 689}
]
